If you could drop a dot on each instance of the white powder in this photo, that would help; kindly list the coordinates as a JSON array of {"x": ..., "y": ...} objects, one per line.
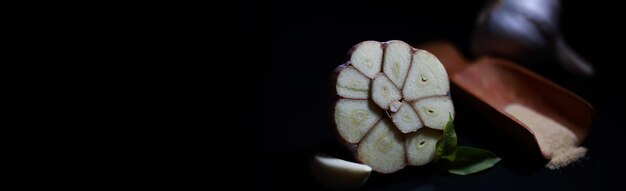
[{"x": 556, "y": 141}]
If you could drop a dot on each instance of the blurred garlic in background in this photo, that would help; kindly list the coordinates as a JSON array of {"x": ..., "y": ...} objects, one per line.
[{"x": 524, "y": 30}]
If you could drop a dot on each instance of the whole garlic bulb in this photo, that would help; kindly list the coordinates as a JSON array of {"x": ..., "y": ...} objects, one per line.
[{"x": 518, "y": 29}]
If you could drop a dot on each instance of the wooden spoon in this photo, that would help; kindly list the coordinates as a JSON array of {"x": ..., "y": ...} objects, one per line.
[{"x": 489, "y": 84}]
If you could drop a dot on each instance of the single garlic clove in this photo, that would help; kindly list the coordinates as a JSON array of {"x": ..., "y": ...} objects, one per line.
[{"x": 338, "y": 174}]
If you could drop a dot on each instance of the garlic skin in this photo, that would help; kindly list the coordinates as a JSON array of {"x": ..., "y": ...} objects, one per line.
[{"x": 522, "y": 29}]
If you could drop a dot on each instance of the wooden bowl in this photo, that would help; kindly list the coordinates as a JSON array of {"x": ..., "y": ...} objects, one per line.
[{"x": 489, "y": 84}]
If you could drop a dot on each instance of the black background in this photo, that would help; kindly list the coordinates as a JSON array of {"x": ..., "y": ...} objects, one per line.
[{"x": 293, "y": 46}]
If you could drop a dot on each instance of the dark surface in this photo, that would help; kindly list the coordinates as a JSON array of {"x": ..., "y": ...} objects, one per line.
[{"x": 294, "y": 46}]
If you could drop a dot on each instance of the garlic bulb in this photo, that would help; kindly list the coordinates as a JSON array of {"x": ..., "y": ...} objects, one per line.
[{"x": 519, "y": 29}]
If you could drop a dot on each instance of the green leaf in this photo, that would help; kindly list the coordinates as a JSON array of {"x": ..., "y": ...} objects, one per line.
[
  {"x": 471, "y": 160},
  {"x": 446, "y": 146},
  {"x": 461, "y": 160}
]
